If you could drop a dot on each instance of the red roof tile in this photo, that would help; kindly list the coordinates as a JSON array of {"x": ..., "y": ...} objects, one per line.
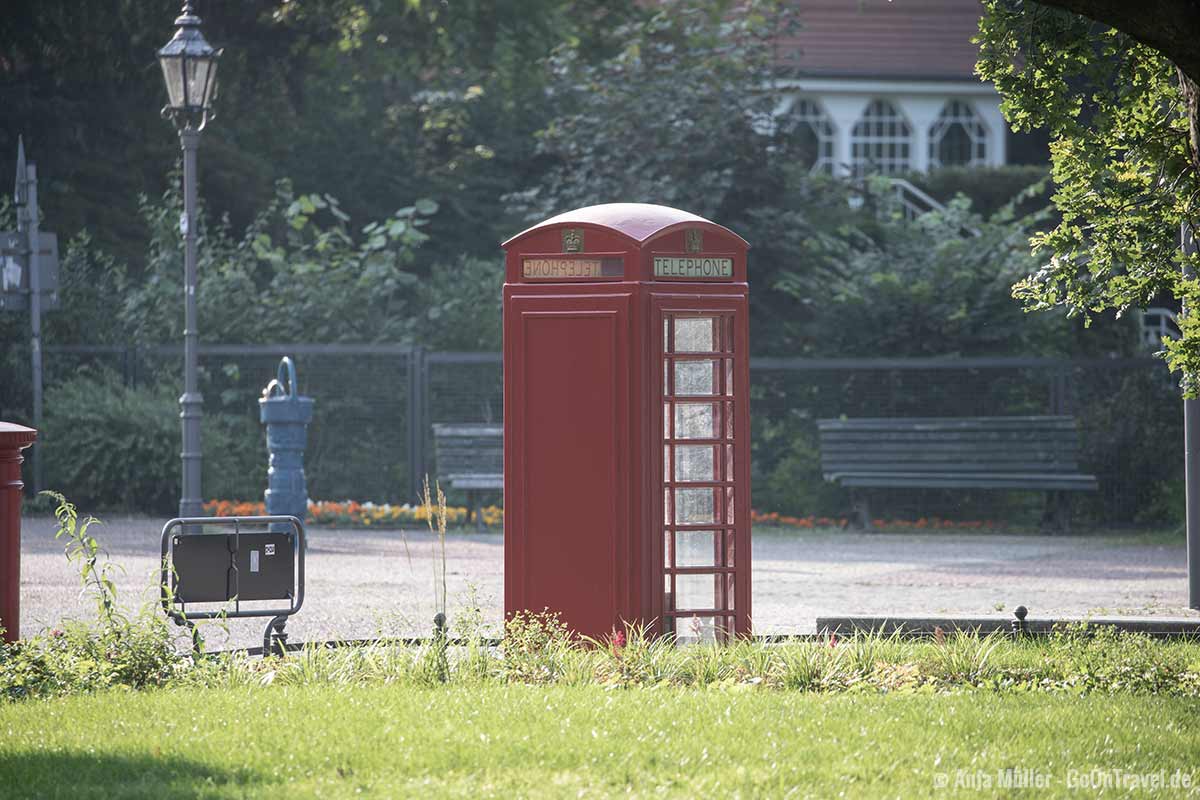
[{"x": 904, "y": 39}]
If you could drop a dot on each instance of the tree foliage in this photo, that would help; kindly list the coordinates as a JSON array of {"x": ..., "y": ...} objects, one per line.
[
  {"x": 936, "y": 286},
  {"x": 1126, "y": 182},
  {"x": 682, "y": 115},
  {"x": 372, "y": 101}
]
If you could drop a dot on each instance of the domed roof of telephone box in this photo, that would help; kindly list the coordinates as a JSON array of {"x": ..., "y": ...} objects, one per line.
[{"x": 638, "y": 221}]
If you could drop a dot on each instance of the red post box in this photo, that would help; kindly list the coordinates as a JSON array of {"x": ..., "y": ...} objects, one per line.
[
  {"x": 626, "y": 422},
  {"x": 13, "y": 439}
]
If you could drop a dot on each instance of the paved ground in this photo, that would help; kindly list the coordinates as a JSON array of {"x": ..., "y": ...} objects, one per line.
[{"x": 362, "y": 583}]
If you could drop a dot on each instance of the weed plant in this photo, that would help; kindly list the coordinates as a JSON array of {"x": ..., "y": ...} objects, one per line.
[{"x": 112, "y": 650}]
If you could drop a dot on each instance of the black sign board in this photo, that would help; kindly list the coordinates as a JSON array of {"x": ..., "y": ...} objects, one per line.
[{"x": 247, "y": 566}]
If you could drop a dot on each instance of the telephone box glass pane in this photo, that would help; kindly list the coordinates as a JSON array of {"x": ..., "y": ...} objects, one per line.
[
  {"x": 696, "y": 421},
  {"x": 695, "y": 506},
  {"x": 696, "y": 377},
  {"x": 695, "y": 549},
  {"x": 695, "y": 462},
  {"x": 696, "y": 592},
  {"x": 695, "y": 335}
]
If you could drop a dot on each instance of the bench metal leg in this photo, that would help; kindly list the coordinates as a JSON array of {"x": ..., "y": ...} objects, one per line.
[
  {"x": 475, "y": 509},
  {"x": 1057, "y": 517},
  {"x": 860, "y": 510}
]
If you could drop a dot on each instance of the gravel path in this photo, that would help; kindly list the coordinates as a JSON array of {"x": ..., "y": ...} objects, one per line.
[{"x": 362, "y": 583}]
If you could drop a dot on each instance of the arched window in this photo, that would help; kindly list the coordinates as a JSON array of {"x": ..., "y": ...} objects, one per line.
[
  {"x": 958, "y": 138},
  {"x": 813, "y": 135},
  {"x": 881, "y": 140}
]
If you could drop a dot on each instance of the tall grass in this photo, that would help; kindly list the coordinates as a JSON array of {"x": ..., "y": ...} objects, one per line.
[{"x": 539, "y": 650}]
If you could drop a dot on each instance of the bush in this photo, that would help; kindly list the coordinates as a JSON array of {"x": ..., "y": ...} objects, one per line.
[
  {"x": 988, "y": 188},
  {"x": 786, "y": 464},
  {"x": 1133, "y": 426},
  {"x": 111, "y": 446},
  {"x": 459, "y": 306},
  {"x": 115, "y": 447}
]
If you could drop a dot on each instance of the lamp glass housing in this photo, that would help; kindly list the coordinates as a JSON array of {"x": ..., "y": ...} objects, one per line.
[{"x": 189, "y": 66}]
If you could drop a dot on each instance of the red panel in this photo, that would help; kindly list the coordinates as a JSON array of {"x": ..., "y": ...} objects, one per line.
[{"x": 567, "y": 440}]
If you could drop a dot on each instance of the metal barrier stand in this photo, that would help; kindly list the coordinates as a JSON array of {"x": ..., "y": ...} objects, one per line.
[{"x": 238, "y": 565}]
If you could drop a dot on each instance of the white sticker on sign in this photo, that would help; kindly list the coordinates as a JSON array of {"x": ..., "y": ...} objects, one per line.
[
  {"x": 269, "y": 550},
  {"x": 254, "y": 561}
]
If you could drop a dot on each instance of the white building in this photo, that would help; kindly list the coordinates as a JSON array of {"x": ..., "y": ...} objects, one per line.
[{"x": 890, "y": 87}]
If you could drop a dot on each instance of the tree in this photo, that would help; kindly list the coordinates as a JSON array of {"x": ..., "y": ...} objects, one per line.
[
  {"x": 684, "y": 115},
  {"x": 681, "y": 115},
  {"x": 372, "y": 101},
  {"x": 1116, "y": 84}
]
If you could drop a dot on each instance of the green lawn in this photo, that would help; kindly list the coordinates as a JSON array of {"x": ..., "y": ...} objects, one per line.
[{"x": 515, "y": 740}]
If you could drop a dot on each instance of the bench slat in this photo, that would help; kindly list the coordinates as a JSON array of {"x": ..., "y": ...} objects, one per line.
[
  {"x": 979, "y": 449},
  {"x": 897, "y": 480},
  {"x": 948, "y": 423},
  {"x": 470, "y": 455},
  {"x": 949, "y": 437},
  {"x": 953, "y": 452},
  {"x": 941, "y": 467}
]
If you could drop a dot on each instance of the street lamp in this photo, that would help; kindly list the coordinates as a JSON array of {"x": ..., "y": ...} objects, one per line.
[{"x": 189, "y": 65}]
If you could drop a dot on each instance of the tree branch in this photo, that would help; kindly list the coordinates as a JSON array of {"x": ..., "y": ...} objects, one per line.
[{"x": 1170, "y": 26}]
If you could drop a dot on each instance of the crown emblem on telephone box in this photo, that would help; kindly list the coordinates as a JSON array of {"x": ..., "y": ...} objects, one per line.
[{"x": 572, "y": 240}]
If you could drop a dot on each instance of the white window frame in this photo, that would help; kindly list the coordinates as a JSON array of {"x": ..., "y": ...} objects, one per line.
[
  {"x": 961, "y": 112},
  {"x": 810, "y": 111},
  {"x": 882, "y": 124}
]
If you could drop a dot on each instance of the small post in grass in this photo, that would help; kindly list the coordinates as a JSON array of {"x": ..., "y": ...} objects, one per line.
[{"x": 1020, "y": 627}]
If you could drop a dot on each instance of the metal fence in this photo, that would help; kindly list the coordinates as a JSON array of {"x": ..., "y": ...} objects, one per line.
[{"x": 375, "y": 406}]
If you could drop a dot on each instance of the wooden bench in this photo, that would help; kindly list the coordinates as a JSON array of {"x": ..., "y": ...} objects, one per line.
[
  {"x": 470, "y": 456},
  {"x": 956, "y": 453}
]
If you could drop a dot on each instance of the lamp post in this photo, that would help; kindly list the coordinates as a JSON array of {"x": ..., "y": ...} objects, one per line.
[{"x": 189, "y": 65}]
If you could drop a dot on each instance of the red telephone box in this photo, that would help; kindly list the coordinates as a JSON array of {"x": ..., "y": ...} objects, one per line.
[{"x": 626, "y": 422}]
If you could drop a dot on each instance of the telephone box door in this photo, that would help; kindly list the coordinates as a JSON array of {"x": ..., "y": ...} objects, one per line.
[
  {"x": 567, "y": 457},
  {"x": 701, "y": 344}
]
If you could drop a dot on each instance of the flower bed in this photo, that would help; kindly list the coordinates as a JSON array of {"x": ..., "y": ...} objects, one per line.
[
  {"x": 924, "y": 523},
  {"x": 351, "y": 513}
]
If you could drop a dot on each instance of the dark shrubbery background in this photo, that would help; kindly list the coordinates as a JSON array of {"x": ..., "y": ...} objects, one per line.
[{"x": 416, "y": 141}]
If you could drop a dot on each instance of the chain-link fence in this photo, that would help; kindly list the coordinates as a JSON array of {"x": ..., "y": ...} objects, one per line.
[
  {"x": 371, "y": 436},
  {"x": 1128, "y": 411}
]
